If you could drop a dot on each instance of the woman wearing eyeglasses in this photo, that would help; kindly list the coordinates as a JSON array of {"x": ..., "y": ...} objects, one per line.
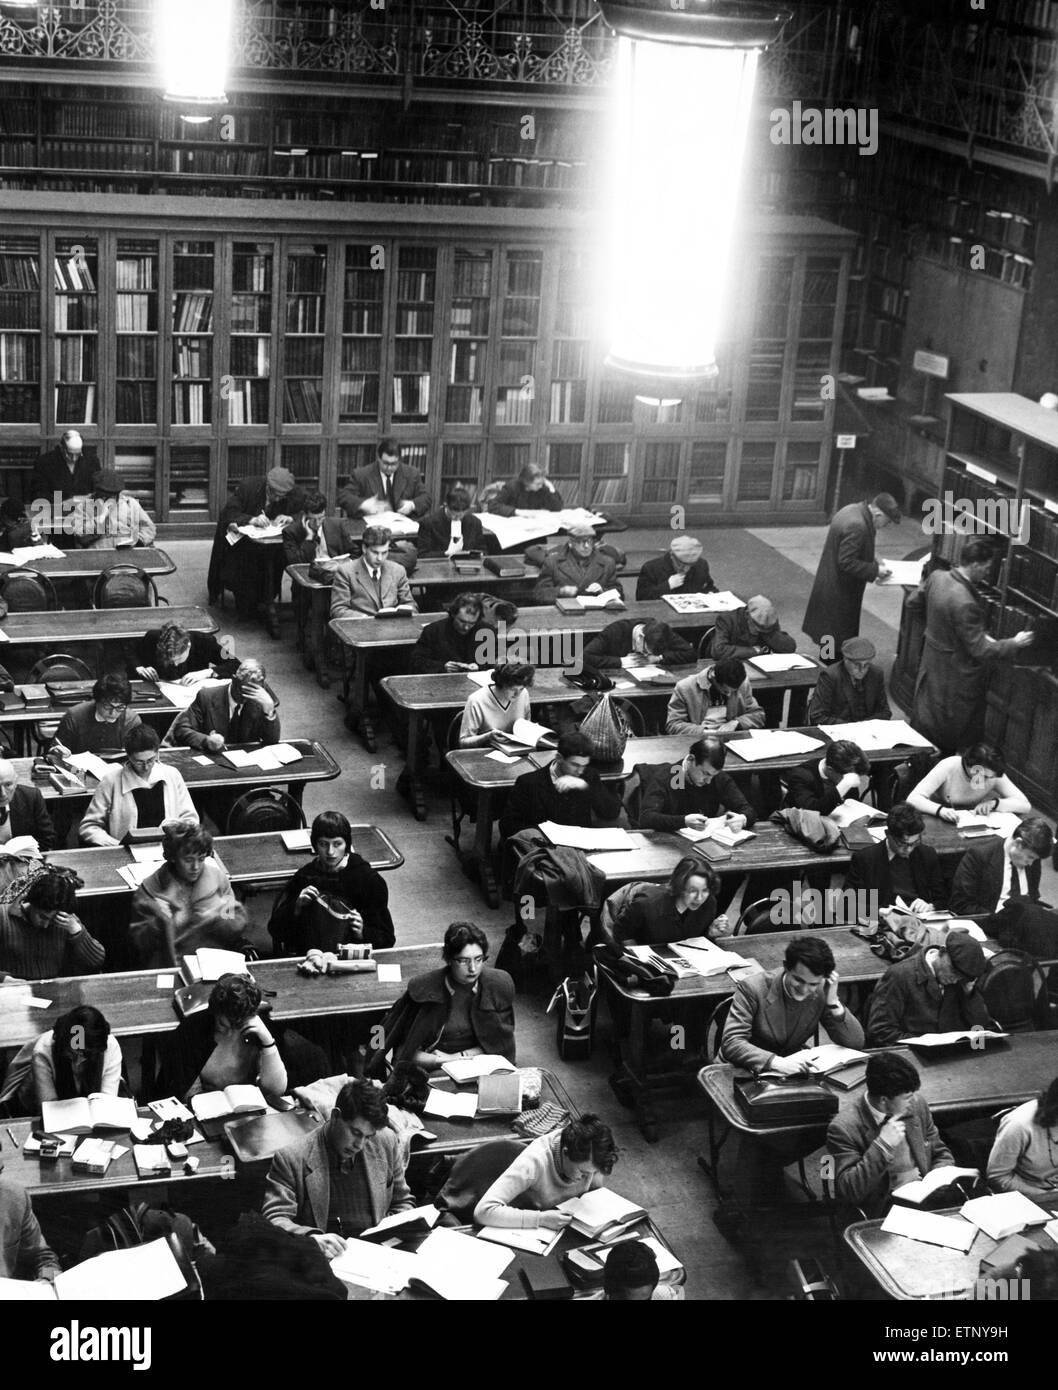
[
  {"x": 101, "y": 724},
  {"x": 462, "y": 1010},
  {"x": 900, "y": 866}
]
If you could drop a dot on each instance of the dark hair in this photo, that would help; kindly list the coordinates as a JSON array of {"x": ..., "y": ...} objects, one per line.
[
  {"x": 686, "y": 869},
  {"x": 513, "y": 673},
  {"x": 983, "y": 755},
  {"x": 730, "y": 673},
  {"x": 94, "y": 1033},
  {"x": 376, "y": 535},
  {"x": 846, "y": 756},
  {"x": 1039, "y": 1269},
  {"x": 113, "y": 687},
  {"x": 52, "y": 893},
  {"x": 1035, "y": 834},
  {"x": 1046, "y": 1115},
  {"x": 466, "y": 600},
  {"x": 235, "y": 999},
  {"x": 172, "y": 638},
  {"x": 502, "y": 610},
  {"x": 529, "y": 472},
  {"x": 587, "y": 1138},
  {"x": 315, "y": 502},
  {"x": 460, "y": 934},
  {"x": 630, "y": 1265},
  {"x": 889, "y": 1075},
  {"x": 387, "y": 445},
  {"x": 574, "y": 744},
  {"x": 709, "y": 750},
  {"x": 12, "y": 510},
  {"x": 977, "y": 552},
  {"x": 364, "y": 1100},
  {"x": 904, "y": 820},
  {"x": 184, "y": 837},
  {"x": 657, "y": 636},
  {"x": 407, "y": 1087},
  {"x": 331, "y": 825},
  {"x": 458, "y": 498},
  {"x": 141, "y": 738},
  {"x": 810, "y": 952}
]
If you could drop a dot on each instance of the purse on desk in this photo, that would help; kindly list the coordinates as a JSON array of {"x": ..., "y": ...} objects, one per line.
[{"x": 768, "y": 1102}]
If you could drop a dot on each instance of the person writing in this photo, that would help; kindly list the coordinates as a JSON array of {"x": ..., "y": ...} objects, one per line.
[
  {"x": 717, "y": 699},
  {"x": 694, "y": 792},
  {"x": 566, "y": 1163},
  {"x": 973, "y": 780},
  {"x": 186, "y": 903},
  {"x": 181, "y": 657},
  {"x": 99, "y": 725},
  {"x": 1024, "y": 1156}
]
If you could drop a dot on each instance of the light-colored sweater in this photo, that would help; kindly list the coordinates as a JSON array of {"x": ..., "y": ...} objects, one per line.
[
  {"x": 534, "y": 1180},
  {"x": 44, "y": 1067},
  {"x": 1024, "y": 1156},
  {"x": 485, "y": 711},
  {"x": 113, "y": 812},
  {"x": 947, "y": 785}
]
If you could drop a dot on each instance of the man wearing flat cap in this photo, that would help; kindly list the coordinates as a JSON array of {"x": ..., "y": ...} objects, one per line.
[
  {"x": 753, "y": 631},
  {"x": 846, "y": 567},
  {"x": 932, "y": 991},
  {"x": 121, "y": 522},
  {"x": 681, "y": 571},
  {"x": 251, "y": 569},
  {"x": 853, "y": 689},
  {"x": 577, "y": 569}
]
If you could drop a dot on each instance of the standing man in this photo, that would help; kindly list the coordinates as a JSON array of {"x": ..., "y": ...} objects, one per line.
[
  {"x": 65, "y": 471},
  {"x": 387, "y": 485},
  {"x": 949, "y": 704},
  {"x": 251, "y": 569},
  {"x": 846, "y": 567}
]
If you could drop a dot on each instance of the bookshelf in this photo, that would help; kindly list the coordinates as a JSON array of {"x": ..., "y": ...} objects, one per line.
[
  {"x": 364, "y": 302},
  {"x": 136, "y": 330},
  {"x": 20, "y": 291},
  {"x": 193, "y": 271},
  {"x": 468, "y": 326},
  {"x": 413, "y": 333},
  {"x": 249, "y": 380},
  {"x": 75, "y": 343},
  {"x": 519, "y": 326},
  {"x": 304, "y": 337}
]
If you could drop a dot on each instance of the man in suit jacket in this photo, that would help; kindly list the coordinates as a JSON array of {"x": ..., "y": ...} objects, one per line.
[
  {"x": 67, "y": 469},
  {"x": 347, "y": 1176},
  {"x": 717, "y": 699},
  {"x": 313, "y": 535},
  {"x": 364, "y": 586},
  {"x": 453, "y": 528},
  {"x": 994, "y": 872},
  {"x": 653, "y": 642},
  {"x": 681, "y": 571},
  {"x": 949, "y": 704},
  {"x": 578, "y": 569},
  {"x": 846, "y": 567},
  {"x": 773, "y": 1014},
  {"x": 23, "y": 1251},
  {"x": 22, "y": 813},
  {"x": 852, "y": 689},
  {"x": 242, "y": 711},
  {"x": 387, "y": 485},
  {"x": 251, "y": 570},
  {"x": 931, "y": 991},
  {"x": 887, "y": 1138},
  {"x": 901, "y": 866}
]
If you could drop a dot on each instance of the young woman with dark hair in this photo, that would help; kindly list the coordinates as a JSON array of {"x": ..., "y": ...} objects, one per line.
[
  {"x": 78, "y": 1057},
  {"x": 565, "y": 1163}
]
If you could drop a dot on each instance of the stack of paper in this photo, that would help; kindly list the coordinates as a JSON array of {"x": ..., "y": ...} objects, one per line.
[
  {"x": 904, "y": 572},
  {"x": 929, "y": 1228},
  {"x": 139, "y": 1273},
  {"x": 586, "y": 838},
  {"x": 182, "y": 696},
  {"x": 781, "y": 661},
  {"x": 947, "y": 1039},
  {"x": 773, "y": 743},
  {"x": 1004, "y": 1214},
  {"x": 133, "y": 874},
  {"x": 26, "y": 554}
]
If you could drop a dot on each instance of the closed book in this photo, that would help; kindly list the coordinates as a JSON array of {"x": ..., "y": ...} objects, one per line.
[
  {"x": 544, "y": 1278},
  {"x": 500, "y": 1094}
]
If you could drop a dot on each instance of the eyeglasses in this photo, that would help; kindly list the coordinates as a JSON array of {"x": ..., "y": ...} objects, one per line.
[
  {"x": 144, "y": 764},
  {"x": 109, "y": 706},
  {"x": 906, "y": 844}
]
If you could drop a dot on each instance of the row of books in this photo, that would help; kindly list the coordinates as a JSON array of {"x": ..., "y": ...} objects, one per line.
[
  {"x": 304, "y": 357},
  {"x": 136, "y": 313},
  {"x": 19, "y": 357},
  {"x": 192, "y": 357},
  {"x": 305, "y": 313},
  {"x": 135, "y": 272},
  {"x": 250, "y": 356},
  {"x": 1043, "y": 531},
  {"x": 137, "y": 358},
  {"x": 75, "y": 358},
  {"x": 136, "y": 402},
  {"x": 411, "y": 396},
  {"x": 192, "y": 403},
  {"x": 248, "y": 403},
  {"x": 193, "y": 270},
  {"x": 251, "y": 274},
  {"x": 302, "y": 401},
  {"x": 569, "y": 402},
  {"x": 513, "y": 407},
  {"x": 1034, "y": 575},
  {"x": 75, "y": 405},
  {"x": 250, "y": 314},
  {"x": 358, "y": 397},
  {"x": 364, "y": 320},
  {"x": 193, "y": 311},
  {"x": 236, "y": 161},
  {"x": 73, "y": 154}
]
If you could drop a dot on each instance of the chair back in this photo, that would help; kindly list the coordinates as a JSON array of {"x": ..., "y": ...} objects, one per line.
[
  {"x": 714, "y": 1029},
  {"x": 1014, "y": 988},
  {"x": 637, "y": 726},
  {"x": 60, "y": 666},
  {"x": 28, "y": 591},
  {"x": 705, "y": 643},
  {"x": 263, "y": 809},
  {"x": 755, "y": 919},
  {"x": 124, "y": 586}
]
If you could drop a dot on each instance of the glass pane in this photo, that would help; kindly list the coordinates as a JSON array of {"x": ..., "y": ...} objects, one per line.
[
  {"x": 461, "y": 463},
  {"x": 801, "y": 475},
  {"x": 19, "y": 331},
  {"x": 563, "y": 468},
  {"x": 351, "y": 457},
  {"x": 136, "y": 466},
  {"x": 303, "y": 460},
  {"x": 708, "y": 471},
  {"x": 76, "y": 270},
  {"x": 250, "y": 368},
  {"x": 360, "y": 381},
  {"x": 609, "y": 473},
  {"x": 192, "y": 307},
  {"x": 661, "y": 470},
  {"x": 756, "y": 471},
  {"x": 189, "y": 471},
  {"x": 413, "y": 331},
  {"x": 616, "y": 400},
  {"x": 468, "y": 327},
  {"x": 305, "y": 313},
  {"x": 136, "y": 324},
  {"x": 516, "y": 376}
]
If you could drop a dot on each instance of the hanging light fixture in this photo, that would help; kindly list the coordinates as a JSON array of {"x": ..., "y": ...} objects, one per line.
[
  {"x": 194, "y": 42},
  {"x": 685, "y": 77}
]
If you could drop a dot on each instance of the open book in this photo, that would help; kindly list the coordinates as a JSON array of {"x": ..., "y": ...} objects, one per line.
[
  {"x": 233, "y": 1100},
  {"x": 592, "y": 1258},
  {"x": 601, "y": 1214},
  {"x": 449, "y": 1105},
  {"x": 210, "y": 963},
  {"x": 771, "y": 662},
  {"x": 948, "y": 1039},
  {"x": 829, "y": 1057},
  {"x": 707, "y": 957},
  {"x": 850, "y": 811},
  {"x": 537, "y": 1240},
  {"x": 139, "y": 1273},
  {"x": 399, "y": 610},
  {"x": 463, "y": 1070},
  {"x": 444, "y": 1268},
  {"x": 995, "y": 823},
  {"x": 922, "y": 1188},
  {"x": 583, "y": 837},
  {"x": 716, "y": 829},
  {"x": 929, "y": 1228},
  {"x": 404, "y": 1223},
  {"x": 527, "y": 734},
  {"x": 1004, "y": 1214},
  {"x": 83, "y": 1114},
  {"x": 609, "y": 598}
]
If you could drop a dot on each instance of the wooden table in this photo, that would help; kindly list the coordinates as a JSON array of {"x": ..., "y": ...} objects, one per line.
[
  {"x": 61, "y": 629},
  {"x": 559, "y": 635},
  {"x": 89, "y": 564},
  {"x": 448, "y": 692},
  {"x": 147, "y": 701}
]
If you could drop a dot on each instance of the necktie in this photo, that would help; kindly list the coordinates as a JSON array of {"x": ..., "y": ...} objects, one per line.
[
  {"x": 389, "y": 494},
  {"x": 235, "y": 730}
]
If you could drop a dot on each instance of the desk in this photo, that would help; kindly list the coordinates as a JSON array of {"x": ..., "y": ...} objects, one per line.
[
  {"x": 89, "y": 564},
  {"x": 447, "y": 693},
  {"x": 455, "y": 1137},
  {"x": 61, "y": 629},
  {"x": 560, "y": 637},
  {"x": 147, "y": 701}
]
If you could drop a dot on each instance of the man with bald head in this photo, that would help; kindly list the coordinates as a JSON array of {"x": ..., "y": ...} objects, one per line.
[
  {"x": 681, "y": 571},
  {"x": 25, "y": 826},
  {"x": 67, "y": 470}
]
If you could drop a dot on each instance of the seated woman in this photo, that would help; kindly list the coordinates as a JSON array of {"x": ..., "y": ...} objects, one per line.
[
  {"x": 461, "y": 1010},
  {"x": 674, "y": 911},
  {"x": 101, "y": 724},
  {"x": 173, "y": 654},
  {"x": 240, "y": 1048},
  {"x": 495, "y": 708},
  {"x": 531, "y": 491},
  {"x": 1024, "y": 1156},
  {"x": 78, "y": 1057},
  {"x": 972, "y": 780},
  {"x": 186, "y": 903},
  {"x": 336, "y": 897},
  {"x": 138, "y": 794},
  {"x": 565, "y": 1163}
]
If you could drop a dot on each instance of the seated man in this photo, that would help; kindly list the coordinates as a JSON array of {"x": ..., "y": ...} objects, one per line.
[
  {"x": 843, "y": 771},
  {"x": 186, "y": 903},
  {"x": 345, "y": 1177},
  {"x": 122, "y": 522},
  {"x": 577, "y": 569},
  {"x": 23, "y": 816},
  {"x": 681, "y": 571},
  {"x": 887, "y": 1138},
  {"x": 41, "y": 937},
  {"x": 775, "y": 1013},
  {"x": 252, "y": 571},
  {"x": 240, "y": 712},
  {"x": 387, "y": 485},
  {"x": 24, "y": 1254},
  {"x": 631, "y": 1275},
  {"x": 452, "y": 528},
  {"x": 453, "y": 643},
  {"x": 99, "y": 725},
  {"x": 695, "y": 791},
  {"x": 335, "y": 898},
  {"x": 679, "y": 910},
  {"x": 566, "y": 791},
  {"x": 313, "y": 535},
  {"x": 173, "y": 654},
  {"x": 901, "y": 866},
  {"x": 852, "y": 689},
  {"x": 995, "y": 872},
  {"x": 648, "y": 644},
  {"x": 373, "y": 581},
  {"x": 718, "y": 699},
  {"x": 750, "y": 631},
  {"x": 139, "y": 793},
  {"x": 931, "y": 991}
]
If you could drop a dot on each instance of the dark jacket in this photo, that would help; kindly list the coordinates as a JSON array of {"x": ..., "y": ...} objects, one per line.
[
  {"x": 665, "y": 806},
  {"x": 29, "y": 816},
  {"x": 260, "y": 1261},
  {"x": 407, "y": 486},
  {"x": 300, "y": 549},
  {"x": 604, "y": 651},
  {"x": 908, "y": 1000},
  {"x": 534, "y": 800},
  {"x": 565, "y": 571},
  {"x": 247, "y": 568},
  {"x": 871, "y": 870},
  {"x": 205, "y": 651},
  {"x": 439, "y": 642},
  {"x": 515, "y": 498},
  {"x": 81, "y": 732},
  {"x": 208, "y": 713},
  {"x": 834, "y": 700},
  {"x": 654, "y": 579},
  {"x": 51, "y": 475},
  {"x": 734, "y": 638},
  {"x": 23, "y": 1251},
  {"x": 418, "y": 1018},
  {"x": 846, "y": 567},
  {"x": 978, "y": 880},
  {"x": 250, "y": 499},
  {"x": 435, "y": 532},
  {"x": 806, "y": 788},
  {"x": 862, "y": 1164},
  {"x": 357, "y": 884},
  {"x": 652, "y": 919}
]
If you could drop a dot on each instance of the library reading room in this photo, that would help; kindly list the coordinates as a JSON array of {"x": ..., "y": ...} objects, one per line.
[{"x": 585, "y": 475}]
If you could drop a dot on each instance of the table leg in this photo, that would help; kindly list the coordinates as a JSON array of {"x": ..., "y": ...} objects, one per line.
[
  {"x": 356, "y": 702},
  {"x": 316, "y": 637},
  {"x": 483, "y": 849},
  {"x": 412, "y": 771}
]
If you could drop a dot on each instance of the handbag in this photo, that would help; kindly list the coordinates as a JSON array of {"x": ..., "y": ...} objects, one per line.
[
  {"x": 795, "y": 1102},
  {"x": 608, "y": 730},
  {"x": 576, "y": 1003}
]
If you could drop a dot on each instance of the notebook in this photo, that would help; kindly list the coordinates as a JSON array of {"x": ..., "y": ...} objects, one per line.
[
  {"x": 463, "y": 1070},
  {"x": 535, "y": 1240},
  {"x": 83, "y": 1114},
  {"x": 929, "y": 1228}
]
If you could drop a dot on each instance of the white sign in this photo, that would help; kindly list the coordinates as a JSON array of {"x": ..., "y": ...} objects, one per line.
[
  {"x": 846, "y": 441},
  {"x": 931, "y": 364}
]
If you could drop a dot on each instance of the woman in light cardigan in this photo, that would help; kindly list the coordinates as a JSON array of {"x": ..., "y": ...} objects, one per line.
[
  {"x": 565, "y": 1163},
  {"x": 137, "y": 793},
  {"x": 1024, "y": 1155},
  {"x": 973, "y": 780}
]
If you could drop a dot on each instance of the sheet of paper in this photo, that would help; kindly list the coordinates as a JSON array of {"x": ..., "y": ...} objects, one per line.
[
  {"x": 261, "y": 533},
  {"x": 780, "y": 661},
  {"x": 773, "y": 743},
  {"x": 135, "y": 873},
  {"x": 396, "y": 522},
  {"x": 448, "y": 1105},
  {"x": 388, "y": 974},
  {"x": 88, "y": 762},
  {"x": 26, "y": 554},
  {"x": 296, "y": 839},
  {"x": 164, "y": 981},
  {"x": 202, "y": 760},
  {"x": 285, "y": 753},
  {"x": 3, "y": 636},
  {"x": 147, "y": 854},
  {"x": 181, "y": 696},
  {"x": 239, "y": 757},
  {"x": 497, "y": 757},
  {"x": 850, "y": 811},
  {"x": 958, "y": 1035},
  {"x": 927, "y": 1227},
  {"x": 6, "y": 558},
  {"x": 480, "y": 678},
  {"x": 904, "y": 572},
  {"x": 430, "y": 1214},
  {"x": 452, "y": 1250},
  {"x": 587, "y": 838},
  {"x": 371, "y": 1266},
  {"x": 138, "y": 1273},
  {"x": 647, "y": 673}
]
